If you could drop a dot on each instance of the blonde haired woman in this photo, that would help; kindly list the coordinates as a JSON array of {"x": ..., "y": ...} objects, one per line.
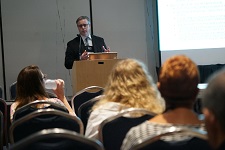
[{"x": 129, "y": 85}]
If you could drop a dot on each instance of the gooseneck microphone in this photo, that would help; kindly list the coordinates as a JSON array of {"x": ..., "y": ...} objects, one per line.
[{"x": 79, "y": 45}]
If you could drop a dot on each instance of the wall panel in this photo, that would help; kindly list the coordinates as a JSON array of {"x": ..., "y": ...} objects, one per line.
[
  {"x": 36, "y": 32},
  {"x": 122, "y": 24}
]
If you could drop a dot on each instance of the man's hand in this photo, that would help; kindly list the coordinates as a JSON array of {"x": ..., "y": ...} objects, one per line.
[
  {"x": 84, "y": 56},
  {"x": 106, "y": 50}
]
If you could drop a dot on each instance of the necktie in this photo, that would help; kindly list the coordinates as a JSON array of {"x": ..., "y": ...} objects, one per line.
[{"x": 86, "y": 40}]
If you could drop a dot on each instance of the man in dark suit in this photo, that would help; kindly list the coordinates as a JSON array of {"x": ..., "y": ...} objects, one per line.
[{"x": 79, "y": 47}]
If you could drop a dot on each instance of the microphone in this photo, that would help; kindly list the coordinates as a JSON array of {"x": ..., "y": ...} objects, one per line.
[{"x": 79, "y": 45}]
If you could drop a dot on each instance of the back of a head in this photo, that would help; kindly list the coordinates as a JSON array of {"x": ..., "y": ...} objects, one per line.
[
  {"x": 179, "y": 77},
  {"x": 213, "y": 96},
  {"x": 130, "y": 72},
  {"x": 130, "y": 84},
  {"x": 126, "y": 78},
  {"x": 30, "y": 84}
]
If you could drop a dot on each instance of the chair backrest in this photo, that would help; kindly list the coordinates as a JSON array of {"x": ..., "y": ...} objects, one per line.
[
  {"x": 1, "y": 131},
  {"x": 12, "y": 90},
  {"x": 57, "y": 139},
  {"x": 1, "y": 95},
  {"x": 84, "y": 95},
  {"x": 197, "y": 141},
  {"x": 29, "y": 108},
  {"x": 3, "y": 109},
  {"x": 43, "y": 119},
  {"x": 85, "y": 109},
  {"x": 113, "y": 130}
]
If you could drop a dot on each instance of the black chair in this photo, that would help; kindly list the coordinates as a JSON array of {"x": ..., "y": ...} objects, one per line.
[
  {"x": 84, "y": 95},
  {"x": 31, "y": 107},
  {"x": 197, "y": 141},
  {"x": 113, "y": 130},
  {"x": 43, "y": 119},
  {"x": 12, "y": 90},
  {"x": 57, "y": 139},
  {"x": 1, "y": 131},
  {"x": 1, "y": 96},
  {"x": 85, "y": 109},
  {"x": 3, "y": 109}
]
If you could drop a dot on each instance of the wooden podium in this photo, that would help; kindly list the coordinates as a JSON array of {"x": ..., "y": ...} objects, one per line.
[{"x": 91, "y": 73}]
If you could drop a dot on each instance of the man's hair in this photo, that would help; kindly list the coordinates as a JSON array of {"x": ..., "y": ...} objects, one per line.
[
  {"x": 179, "y": 77},
  {"x": 213, "y": 96},
  {"x": 81, "y": 18}
]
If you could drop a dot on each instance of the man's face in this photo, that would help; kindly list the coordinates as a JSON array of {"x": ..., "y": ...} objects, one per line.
[
  {"x": 84, "y": 27},
  {"x": 210, "y": 125}
]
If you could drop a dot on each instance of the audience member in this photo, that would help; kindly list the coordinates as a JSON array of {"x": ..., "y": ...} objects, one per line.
[
  {"x": 129, "y": 85},
  {"x": 30, "y": 87},
  {"x": 178, "y": 82},
  {"x": 213, "y": 101}
]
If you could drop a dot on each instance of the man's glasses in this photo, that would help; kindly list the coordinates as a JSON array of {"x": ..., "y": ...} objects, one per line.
[{"x": 82, "y": 25}]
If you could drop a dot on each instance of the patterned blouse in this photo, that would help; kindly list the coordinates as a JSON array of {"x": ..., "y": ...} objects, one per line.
[{"x": 149, "y": 129}]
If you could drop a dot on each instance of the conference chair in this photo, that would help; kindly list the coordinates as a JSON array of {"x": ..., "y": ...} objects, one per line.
[
  {"x": 31, "y": 107},
  {"x": 85, "y": 109},
  {"x": 197, "y": 141},
  {"x": 12, "y": 90},
  {"x": 43, "y": 119},
  {"x": 1, "y": 131},
  {"x": 84, "y": 95},
  {"x": 3, "y": 110},
  {"x": 57, "y": 139},
  {"x": 113, "y": 130}
]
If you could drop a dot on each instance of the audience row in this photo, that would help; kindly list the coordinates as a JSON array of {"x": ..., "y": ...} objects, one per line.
[{"x": 131, "y": 86}]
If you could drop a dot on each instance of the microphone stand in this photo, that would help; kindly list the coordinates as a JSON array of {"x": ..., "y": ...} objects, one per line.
[{"x": 79, "y": 46}]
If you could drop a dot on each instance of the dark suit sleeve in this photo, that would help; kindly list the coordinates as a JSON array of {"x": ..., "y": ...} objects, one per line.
[
  {"x": 72, "y": 53},
  {"x": 98, "y": 42},
  {"x": 104, "y": 45}
]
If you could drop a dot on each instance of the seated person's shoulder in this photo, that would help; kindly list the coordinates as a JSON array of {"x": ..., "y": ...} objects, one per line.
[
  {"x": 57, "y": 101},
  {"x": 14, "y": 105}
]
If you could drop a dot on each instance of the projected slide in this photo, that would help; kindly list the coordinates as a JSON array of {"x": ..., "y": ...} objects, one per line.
[{"x": 191, "y": 24}]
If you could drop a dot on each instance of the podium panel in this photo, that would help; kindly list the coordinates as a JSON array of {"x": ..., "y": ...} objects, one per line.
[{"x": 91, "y": 72}]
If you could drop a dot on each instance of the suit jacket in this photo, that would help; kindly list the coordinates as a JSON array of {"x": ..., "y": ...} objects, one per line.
[
  {"x": 76, "y": 47},
  {"x": 222, "y": 146}
]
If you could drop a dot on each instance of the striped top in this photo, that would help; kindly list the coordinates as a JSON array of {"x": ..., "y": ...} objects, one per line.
[{"x": 150, "y": 129}]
